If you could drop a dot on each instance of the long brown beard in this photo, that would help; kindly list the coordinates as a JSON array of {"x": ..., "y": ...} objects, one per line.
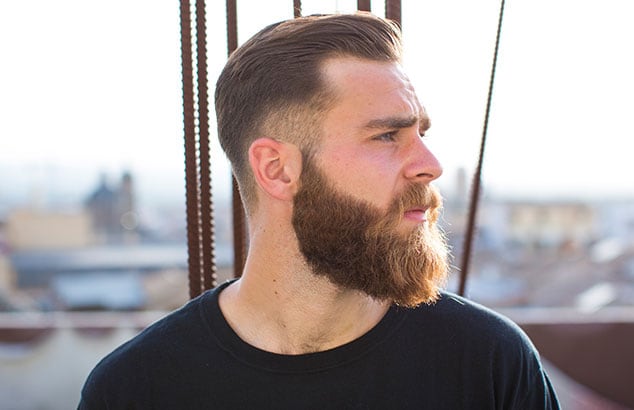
[{"x": 356, "y": 246}]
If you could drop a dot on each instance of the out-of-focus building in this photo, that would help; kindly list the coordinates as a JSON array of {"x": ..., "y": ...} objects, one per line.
[
  {"x": 44, "y": 229},
  {"x": 113, "y": 212},
  {"x": 7, "y": 274},
  {"x": 109, "y": 217},
  {"x": 551, "y": 224},
  {"x": 90, "y": 257}
]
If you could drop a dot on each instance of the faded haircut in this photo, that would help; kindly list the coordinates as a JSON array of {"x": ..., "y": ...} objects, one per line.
[{"x": 272, "y": 85}]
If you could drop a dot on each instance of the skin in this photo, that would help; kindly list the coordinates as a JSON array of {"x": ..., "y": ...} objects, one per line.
[{"x": 371, "y": 149}]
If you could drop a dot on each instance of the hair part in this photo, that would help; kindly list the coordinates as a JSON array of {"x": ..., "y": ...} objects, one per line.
[{"x": 273, "y": 84}]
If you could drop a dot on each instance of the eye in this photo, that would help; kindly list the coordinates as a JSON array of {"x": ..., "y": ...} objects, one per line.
[{"x": 388, "y": 136}]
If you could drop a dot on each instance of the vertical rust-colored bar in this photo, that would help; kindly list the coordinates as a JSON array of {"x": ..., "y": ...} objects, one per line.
[
  {"x": 206, "y": 202},
  {"x": 232, "y": 26},
  {"x": 393, "y": 10},
  {"x": 297, "y": 8},
  {"x": 239, "y": 230},
  {"x": 363, "y": 5},
  {"x": 475, "y": 188},
  {"x": 191, "y": 167}
]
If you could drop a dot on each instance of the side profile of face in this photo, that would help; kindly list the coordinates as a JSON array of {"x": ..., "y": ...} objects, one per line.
[{"x": 365, "y": 213}]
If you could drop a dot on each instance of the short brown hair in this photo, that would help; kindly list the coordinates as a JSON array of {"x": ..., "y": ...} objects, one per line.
[{"x": 272, "y": 83}]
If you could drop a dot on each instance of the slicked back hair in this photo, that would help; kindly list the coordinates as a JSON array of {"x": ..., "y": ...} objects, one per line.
[{"x": 272, "y": 85}]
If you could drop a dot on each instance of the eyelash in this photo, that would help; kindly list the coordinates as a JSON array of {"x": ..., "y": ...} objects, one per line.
[{"x": 391, "y": 136}]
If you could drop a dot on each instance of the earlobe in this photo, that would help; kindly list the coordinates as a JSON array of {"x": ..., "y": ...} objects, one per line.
[{"x": 274, "y": 167}]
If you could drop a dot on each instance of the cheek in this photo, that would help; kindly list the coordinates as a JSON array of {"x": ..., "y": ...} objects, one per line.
[{"x": 370, "y": 177}]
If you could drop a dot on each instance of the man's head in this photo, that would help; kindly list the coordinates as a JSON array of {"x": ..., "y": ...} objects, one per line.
[
  {"x": 273, "y": 84},
  {"x": 329, "y": 94}
]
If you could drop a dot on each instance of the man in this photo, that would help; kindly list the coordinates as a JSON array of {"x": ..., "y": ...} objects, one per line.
[{"x": 339, "y": 305}]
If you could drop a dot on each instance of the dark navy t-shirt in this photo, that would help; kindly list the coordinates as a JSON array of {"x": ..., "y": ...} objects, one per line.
[{"x": 454, "y": 354}]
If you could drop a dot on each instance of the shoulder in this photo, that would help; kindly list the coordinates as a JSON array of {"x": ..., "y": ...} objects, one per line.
[
  {"x": 475, "y": 333},
  {"x": 159, "y": 348},
  {"x": 464, "y": 318},
  {"x": 485, "y": 343}
]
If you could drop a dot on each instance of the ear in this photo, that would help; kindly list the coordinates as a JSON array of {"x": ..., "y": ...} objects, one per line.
[{"x": 276, "y": 167}]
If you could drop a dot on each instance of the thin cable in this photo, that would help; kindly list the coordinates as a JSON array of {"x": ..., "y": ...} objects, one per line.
[{"x": 475, "y": 186}]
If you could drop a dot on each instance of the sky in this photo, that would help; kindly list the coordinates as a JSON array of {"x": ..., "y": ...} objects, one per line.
[{"x": 89, "y": 87}]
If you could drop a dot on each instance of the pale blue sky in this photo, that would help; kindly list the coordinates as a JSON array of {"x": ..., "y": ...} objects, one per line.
[{"x": 91, "y": 86}]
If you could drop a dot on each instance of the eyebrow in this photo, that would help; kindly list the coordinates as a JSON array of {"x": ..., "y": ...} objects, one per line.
[{"x": 398, "y": 122}]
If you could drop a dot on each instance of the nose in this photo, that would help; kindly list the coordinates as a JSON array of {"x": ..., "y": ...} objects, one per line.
[{"x": 422, "y": 165}]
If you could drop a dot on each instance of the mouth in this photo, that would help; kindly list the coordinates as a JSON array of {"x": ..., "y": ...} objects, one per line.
[{"x": 416, "y": 214}]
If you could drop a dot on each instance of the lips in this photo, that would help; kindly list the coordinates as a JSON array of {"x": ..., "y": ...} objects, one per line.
[{"x": 417, "y": 214}]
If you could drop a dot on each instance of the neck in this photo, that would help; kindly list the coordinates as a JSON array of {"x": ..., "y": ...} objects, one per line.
[{"x": 280, "y": 305}]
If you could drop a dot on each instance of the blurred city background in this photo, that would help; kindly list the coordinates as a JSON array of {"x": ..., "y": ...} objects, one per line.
[{"x": 93, "y": 240}]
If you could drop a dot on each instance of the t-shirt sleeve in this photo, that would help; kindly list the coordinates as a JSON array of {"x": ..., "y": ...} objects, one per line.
[
  {"x": 540, "y": 395},
  {"x": 523, "y": 381},
  {"x": 90, "y": 396},
  {"x": 119, "y": 381}
]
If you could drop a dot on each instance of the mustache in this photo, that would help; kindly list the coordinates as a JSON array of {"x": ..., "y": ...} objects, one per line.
[{"x": 418, "y": 196}]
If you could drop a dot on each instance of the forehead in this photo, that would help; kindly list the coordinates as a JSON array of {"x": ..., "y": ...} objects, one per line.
[{"x": 370, "y": 94}]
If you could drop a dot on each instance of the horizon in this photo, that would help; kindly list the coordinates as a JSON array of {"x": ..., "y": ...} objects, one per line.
[{"x": 55, "y": 186}]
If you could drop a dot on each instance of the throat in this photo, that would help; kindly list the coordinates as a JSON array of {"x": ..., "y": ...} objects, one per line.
[
  {"x": 316, "y": 331},
  {"x": 300, "y": 324}
]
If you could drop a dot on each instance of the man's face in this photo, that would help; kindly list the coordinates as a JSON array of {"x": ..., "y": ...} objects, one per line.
[
  {"x": 371, "y": 144},
  {"x": 365, "y": 212}
]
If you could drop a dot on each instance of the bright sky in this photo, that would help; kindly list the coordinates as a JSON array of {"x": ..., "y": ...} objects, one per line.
[{"x": 92, "y": 86}]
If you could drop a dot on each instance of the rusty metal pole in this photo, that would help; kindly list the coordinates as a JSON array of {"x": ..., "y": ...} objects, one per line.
[
  {"x": 393, "y": 10},
  {"x": 297, "y": 8},
  {"x": 363, "y": 5},
  {"x": 239, "y": 226},
  {"x": 206, "y": 200},
  {"x": 191, "y": 166}
]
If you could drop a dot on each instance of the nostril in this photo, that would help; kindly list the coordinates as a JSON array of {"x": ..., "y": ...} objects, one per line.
[{"x": 425, "y": 175}]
